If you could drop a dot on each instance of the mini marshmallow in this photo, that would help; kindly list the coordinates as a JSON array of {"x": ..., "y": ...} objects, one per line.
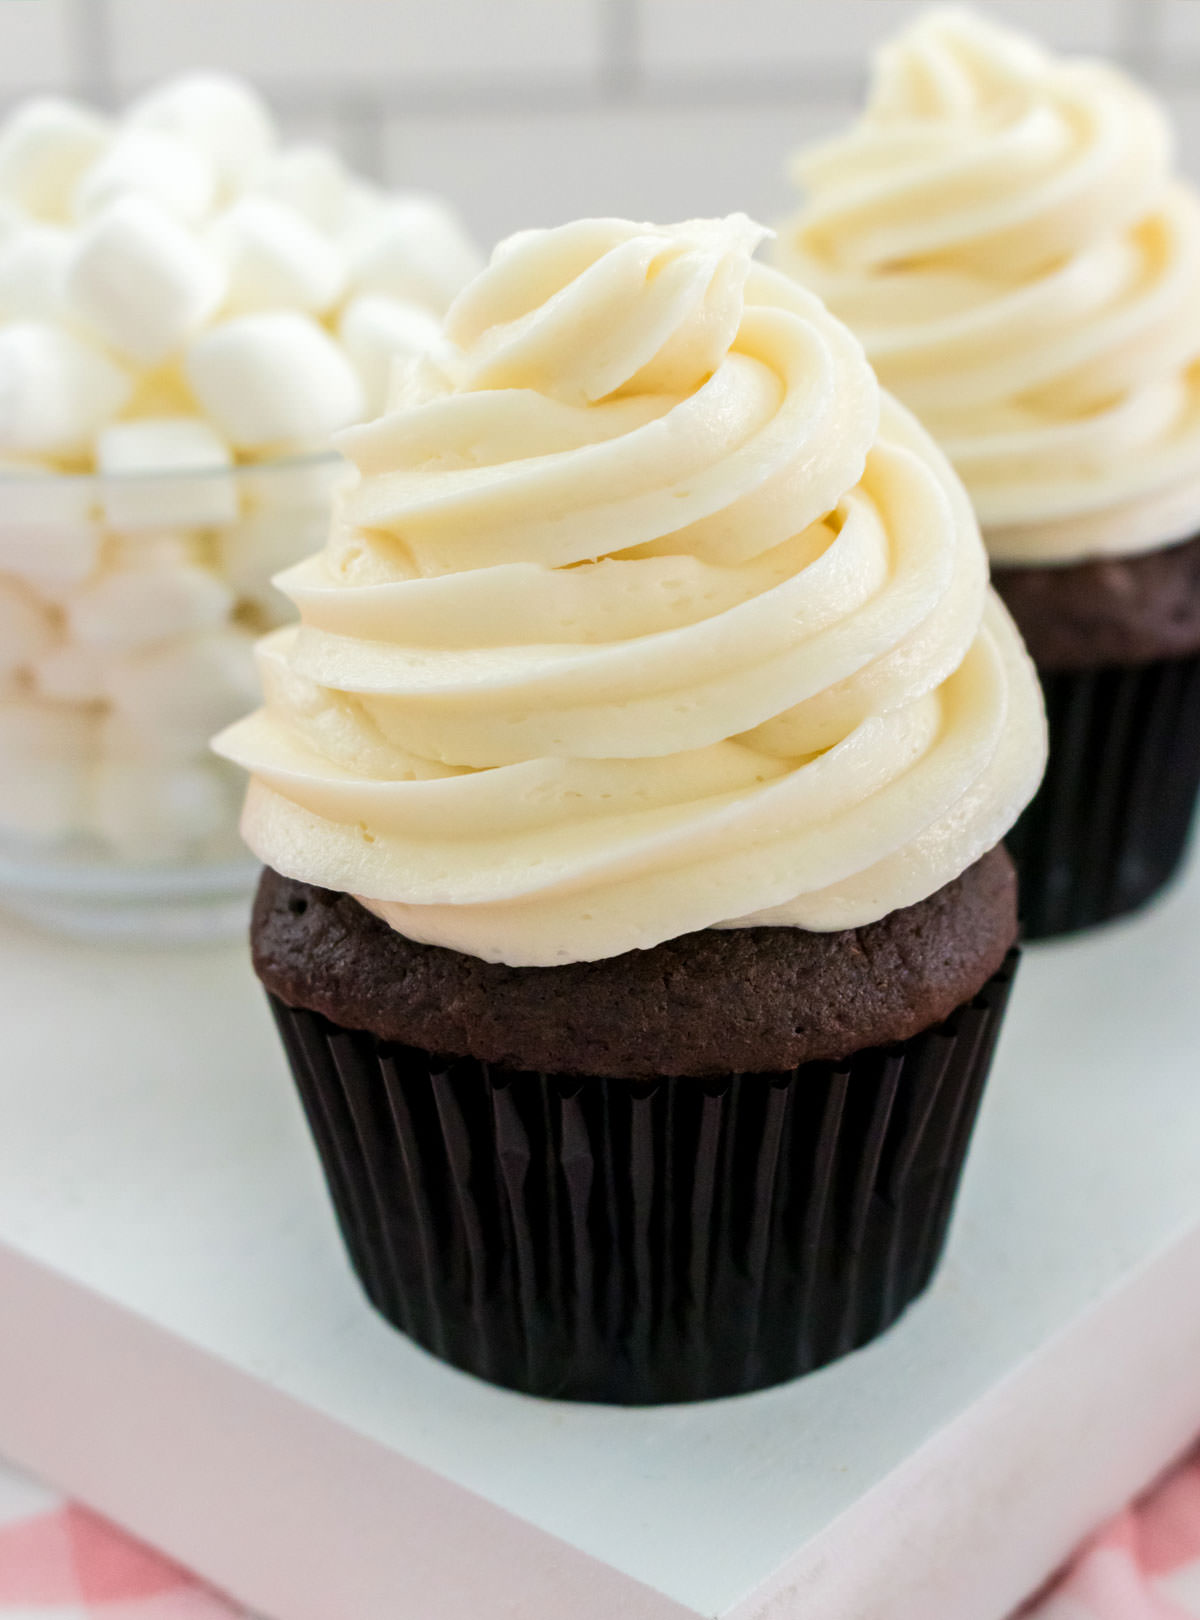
[
  {"x": 274, "y": 380},
  {"x": 183, "y": 691},
  {"x": 13, "y": 221},
  {"x": 33, "y": 271},
  {"x": 415, "y": 250},
  {"x": 276, "y": 259},
  {"x": 376, "y": 330},
  {"x": 37, "y": 496},
  {"x": 44, "y": 147},
  {"x": 56, "y": 392},
  {"x": 364, "y": 204},
  {"x": 130, "y": 454},
  {"x": 155, "y": 549},
  {"x": 51, "y": 559},
  {"x": 162, "y": 391},
  {"x": 69, "y": 673},
  {"x": 147, "y": 163},
  {"x": 49, "y": 537},
  {"x": 315, "y": 182},
  {"x": 32, "y": 729},
  {"x": 215, "y": 114},
  {"x": 46, "y": 749},
  {"x": 142, "y": 281},
  {"x": 121, "y": 738},
  {"x": 27, "y": 629},
  {"x": 152, "y": 811},
  {"x": 136, "y": 607}
]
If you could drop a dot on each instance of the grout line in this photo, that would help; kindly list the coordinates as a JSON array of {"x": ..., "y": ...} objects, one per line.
[
  {"x": 1178, "y": 75},
  {"x": 364, "y": 110},
  {"x": 620, "y": 49},
  {"x": 368, "y": 106},
  {"x": 91, "y": 29},
  {"x": 345, "y": 98},
  {"x": 1140, "y": 36}
]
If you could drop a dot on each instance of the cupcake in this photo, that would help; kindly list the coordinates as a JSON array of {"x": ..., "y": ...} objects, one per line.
[
  {"x": 630, "y": 795},
  {"x": 1004, "y": 233}
]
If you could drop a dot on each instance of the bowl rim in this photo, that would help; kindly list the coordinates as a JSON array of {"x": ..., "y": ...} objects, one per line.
[{"x": 40, "y": 477}]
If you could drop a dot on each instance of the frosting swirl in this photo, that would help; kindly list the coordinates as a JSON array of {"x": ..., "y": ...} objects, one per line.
[
  {"x": 642, "y": 613},
  {"x": 1003, "y": 232}
]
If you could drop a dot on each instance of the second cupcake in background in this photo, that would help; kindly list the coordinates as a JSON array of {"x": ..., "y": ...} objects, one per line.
[
  {"x": 630, "y": 794},
  {"x": 1003, "y": 232}
]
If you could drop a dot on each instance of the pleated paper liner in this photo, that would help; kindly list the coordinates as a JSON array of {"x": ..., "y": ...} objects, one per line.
[
  {"x": 1109, "y": 826},
  {"x": 610, "y": 1240}
]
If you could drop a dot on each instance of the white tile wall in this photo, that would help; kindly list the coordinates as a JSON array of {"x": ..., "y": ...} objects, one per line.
[
  {"x": 395, "y": 43},
  {"x": 727, "y": 37},
  {"x": 1185, "y": 114},
  {"x": 508, "y": 172},
  {"x": 37, "y": 45},
  {"x": 1180, "y": 24},
  {"x": 534, "y": 110}
]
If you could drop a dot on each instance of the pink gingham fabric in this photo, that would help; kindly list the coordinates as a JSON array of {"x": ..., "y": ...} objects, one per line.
[
  {"x": 1145, "y": 1565},
  {"x": 60, "y": 1562}
]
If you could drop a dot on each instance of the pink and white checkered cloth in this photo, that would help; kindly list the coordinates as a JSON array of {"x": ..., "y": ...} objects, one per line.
[
  {"x": 60, "y": 1562},
  {"x": 1145, "y": 1565}
]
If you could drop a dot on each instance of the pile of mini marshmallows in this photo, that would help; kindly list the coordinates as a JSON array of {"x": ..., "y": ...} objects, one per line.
[{"x": 188, "y": 311}]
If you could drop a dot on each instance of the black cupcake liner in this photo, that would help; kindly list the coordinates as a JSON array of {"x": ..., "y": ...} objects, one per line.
[
  {"x": 1109, "y": 826},
  {"x": 640, "y": 1242}
]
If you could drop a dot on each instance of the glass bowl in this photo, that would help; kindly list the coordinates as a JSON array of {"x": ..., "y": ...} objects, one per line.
[{"x": 129, "y": 608}]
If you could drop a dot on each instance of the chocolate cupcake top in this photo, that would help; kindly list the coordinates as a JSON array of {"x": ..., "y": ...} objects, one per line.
[
  {"x": 1003, "y": 231},
  {"x": 643, "y": 612}
]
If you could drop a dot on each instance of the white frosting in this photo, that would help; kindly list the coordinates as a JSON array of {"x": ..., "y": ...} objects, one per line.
[
  {"x": 644, "y": 613},
  {"x": 1003, "y": 232}
]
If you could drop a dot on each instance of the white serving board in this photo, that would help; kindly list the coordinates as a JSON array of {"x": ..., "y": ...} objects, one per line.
[{"x": 183, "y": 1346}]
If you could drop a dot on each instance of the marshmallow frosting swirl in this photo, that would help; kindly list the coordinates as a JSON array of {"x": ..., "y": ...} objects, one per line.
[
  {"x": 1003, "y": 231},
  {"x": 643, "y": 612}
]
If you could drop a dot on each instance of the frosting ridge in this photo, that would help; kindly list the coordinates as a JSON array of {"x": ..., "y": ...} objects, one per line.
[
  {"x": 1003, "y": 231},
  {"x": 644, "y": 611}
]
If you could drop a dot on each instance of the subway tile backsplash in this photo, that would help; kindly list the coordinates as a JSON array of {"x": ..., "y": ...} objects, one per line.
[
  {"x": 1179, "y": 26},
  {"x": 384, "y": 45},
  {"x": 530, "y": 111},
  {"x": 720, "y": 39},
  {"x": 37, "y": 45},
  {"x": 510, "y": 171}
]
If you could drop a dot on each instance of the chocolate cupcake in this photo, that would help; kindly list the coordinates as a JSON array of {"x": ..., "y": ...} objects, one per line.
[
  {"x": 1004, "y": 233},
  {"x": 630, "y": 794}
]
